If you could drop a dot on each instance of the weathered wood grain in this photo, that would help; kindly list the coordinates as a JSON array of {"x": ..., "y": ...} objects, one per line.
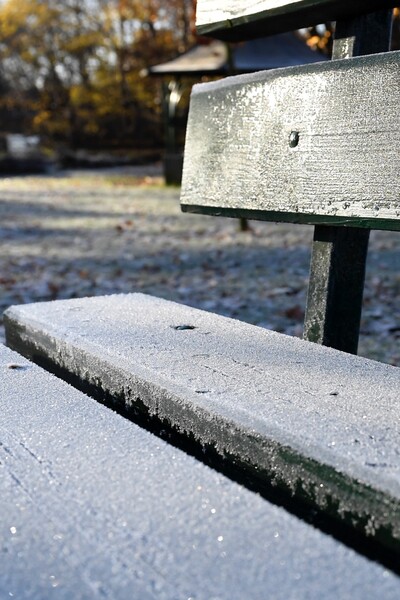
[
  {"x": 315, "y": 144},
  {"x": 322, "y": 425},
  {"x": 239, "y": 19},
  {"x": 95, "y": 508}
]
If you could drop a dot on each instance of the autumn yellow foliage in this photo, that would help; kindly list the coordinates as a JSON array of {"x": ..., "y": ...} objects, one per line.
[{"x": 74, "y": 66}]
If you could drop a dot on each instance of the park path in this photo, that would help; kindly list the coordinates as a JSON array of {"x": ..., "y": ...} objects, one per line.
[{"x": 121, "y": 230}]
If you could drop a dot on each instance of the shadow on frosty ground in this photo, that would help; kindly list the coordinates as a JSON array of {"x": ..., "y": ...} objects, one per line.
[{"x": 90, "y": 233}]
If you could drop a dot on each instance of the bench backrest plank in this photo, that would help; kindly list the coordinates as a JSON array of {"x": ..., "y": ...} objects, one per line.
[
  {"x": 240, "y": 19},
  {"x": 315, "y": 145}
]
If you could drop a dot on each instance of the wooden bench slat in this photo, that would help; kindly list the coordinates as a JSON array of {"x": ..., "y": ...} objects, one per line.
[
  {"x": 93, "y": 507},
  {"x": 323, "y": 424},
  {"x": 239, "y": 19},
  {"x": 315, "y": 144}
]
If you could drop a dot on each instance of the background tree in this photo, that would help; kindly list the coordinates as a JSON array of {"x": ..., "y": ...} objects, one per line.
[{"x": 74, "y": 67}]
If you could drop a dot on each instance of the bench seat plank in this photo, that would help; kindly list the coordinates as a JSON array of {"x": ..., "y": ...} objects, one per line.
[
  {"x": 240, "y": 19},
  {"x": 260, "y": 145},
  {"x": 323, "y": 424},
  {"x": 94, "y": 507}
]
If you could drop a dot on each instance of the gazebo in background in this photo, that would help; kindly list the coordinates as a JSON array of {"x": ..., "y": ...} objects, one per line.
[{"x": 212, "y": 60}]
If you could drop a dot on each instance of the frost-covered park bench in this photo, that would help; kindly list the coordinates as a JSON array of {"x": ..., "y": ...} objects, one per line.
[{"x": 291, "y": 432}]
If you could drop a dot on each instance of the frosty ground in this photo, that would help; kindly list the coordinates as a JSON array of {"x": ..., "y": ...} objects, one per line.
[{"x": 91, "y": 233}]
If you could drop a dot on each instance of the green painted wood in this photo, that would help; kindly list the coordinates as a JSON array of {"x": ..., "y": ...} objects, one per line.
[
  {"x": 339, "y": 256},
  {"x": 288, "y": 217},
  {"x": 336, "y": 285},
  {"x": 240, "y": 19},
  {"x": 367, "y": 34},
  {"x": 306, "y": 144}
]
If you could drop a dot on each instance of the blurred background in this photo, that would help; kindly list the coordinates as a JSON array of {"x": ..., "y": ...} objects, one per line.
[
  {"x": 73, "y": 75},
  {"x": 76, "y": 76}
]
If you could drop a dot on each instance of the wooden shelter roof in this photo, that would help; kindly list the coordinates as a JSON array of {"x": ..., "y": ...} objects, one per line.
[{"x": 260, "y": 54}]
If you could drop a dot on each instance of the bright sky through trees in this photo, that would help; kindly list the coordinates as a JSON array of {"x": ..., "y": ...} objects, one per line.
[{"x": 75, "y": 66}]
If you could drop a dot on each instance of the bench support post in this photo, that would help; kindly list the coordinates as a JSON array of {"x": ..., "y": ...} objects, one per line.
[{"x": 339, "y": 254}]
